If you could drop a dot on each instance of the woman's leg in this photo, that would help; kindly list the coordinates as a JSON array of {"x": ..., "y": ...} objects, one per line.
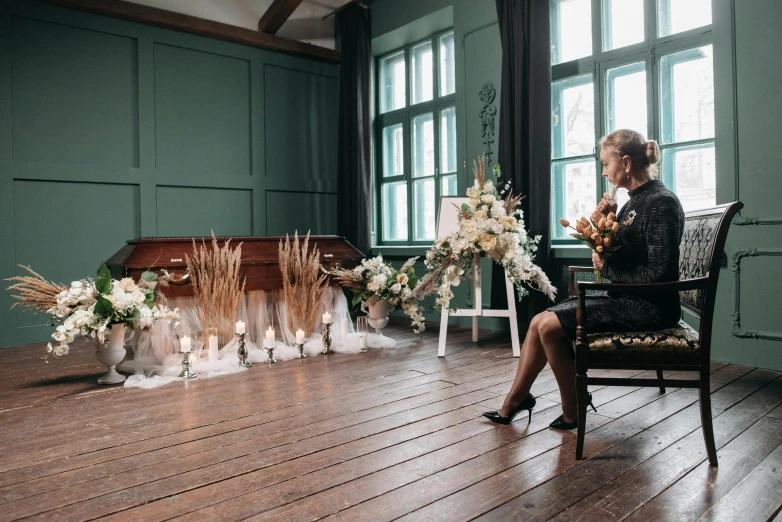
[
  {"x": 559, "y": 352},
  {"x": 531, "y": 361}
]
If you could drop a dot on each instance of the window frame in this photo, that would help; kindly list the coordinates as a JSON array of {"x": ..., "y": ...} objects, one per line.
[
  {"x": 406, "y": 115},
  {"x": 650, "y": 50}
]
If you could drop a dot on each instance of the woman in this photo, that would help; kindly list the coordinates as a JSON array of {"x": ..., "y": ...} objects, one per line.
[{"x": 650, "y": 230}]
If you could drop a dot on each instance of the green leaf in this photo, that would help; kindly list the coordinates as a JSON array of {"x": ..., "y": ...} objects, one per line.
[
  {"x": 103, "y": 284},
  {"x": 465, "y": 207},
  {"x": 103, "y": 308},
  {"x": 149, "y": 276},
  {"x": 412, "y": 280},
  {"x": 356, "y": 299},
  {"x": 136, "y": 315},
  {"x": 149, "y": 299},
  {"x": 496, "y": 170}
]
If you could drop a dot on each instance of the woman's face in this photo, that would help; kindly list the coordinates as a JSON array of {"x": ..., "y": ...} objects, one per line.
[{"x": 615, "y": 168}]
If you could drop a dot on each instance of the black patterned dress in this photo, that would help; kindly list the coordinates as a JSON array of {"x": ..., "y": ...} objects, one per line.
[{"x": 650, "y": 230}]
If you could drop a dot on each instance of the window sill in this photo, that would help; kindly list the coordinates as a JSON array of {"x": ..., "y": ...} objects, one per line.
[
  {"x": 571, "y": 252},
  {"x": 409, "y": 251}
]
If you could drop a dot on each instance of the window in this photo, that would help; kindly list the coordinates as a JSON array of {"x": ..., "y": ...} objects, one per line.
[
  {"x": 415, "y": 138},
  {"x": 648, "y": 68}
]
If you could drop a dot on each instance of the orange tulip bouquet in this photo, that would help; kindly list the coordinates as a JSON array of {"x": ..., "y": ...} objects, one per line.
[{"x": 597, "y": 232}]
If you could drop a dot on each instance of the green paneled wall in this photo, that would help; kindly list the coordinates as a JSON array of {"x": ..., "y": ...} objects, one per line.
[{"x": 111, "y": 130}]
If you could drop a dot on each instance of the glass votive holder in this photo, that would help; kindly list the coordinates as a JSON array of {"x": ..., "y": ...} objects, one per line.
[{"x": 362, "y": 328}]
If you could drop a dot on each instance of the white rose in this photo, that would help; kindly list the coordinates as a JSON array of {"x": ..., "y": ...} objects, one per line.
[
  {"x": 488, "y": 186},
  {"x": 137, "y": 297},
  {"x": 396, "y": 288},
  {"x": 489, "y": 199},
  {"x": 474, "y": 202},
  {"x": 480, "y": 215},
  {"x": 497, "y": 212},
  {"x": 497, "y": 229},
  {"x": 402, "y": 279}
]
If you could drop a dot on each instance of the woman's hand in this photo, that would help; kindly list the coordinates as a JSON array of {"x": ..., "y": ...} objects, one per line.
[
  {"x": 597, "y": 261},
  {"x": 605, "y": 205}
]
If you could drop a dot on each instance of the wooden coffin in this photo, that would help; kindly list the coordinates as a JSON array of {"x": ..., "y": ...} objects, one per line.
[{"x": 260, "y": 261}]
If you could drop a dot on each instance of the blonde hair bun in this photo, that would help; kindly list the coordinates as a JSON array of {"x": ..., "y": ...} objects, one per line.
[{"x": 652, "y": 152}]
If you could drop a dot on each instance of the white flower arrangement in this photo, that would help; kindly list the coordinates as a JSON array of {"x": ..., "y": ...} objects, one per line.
[
  {"x": 89, "y": 308},
  {"x": 374, "y": 280},
  {"x": 488, "y": 224}
]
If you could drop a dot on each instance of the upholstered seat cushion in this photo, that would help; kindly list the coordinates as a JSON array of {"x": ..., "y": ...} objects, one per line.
[{"x": 681, "y": 338}]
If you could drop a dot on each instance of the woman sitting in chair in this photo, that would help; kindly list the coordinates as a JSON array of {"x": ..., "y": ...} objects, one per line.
[{"x": 650, "y": 230}]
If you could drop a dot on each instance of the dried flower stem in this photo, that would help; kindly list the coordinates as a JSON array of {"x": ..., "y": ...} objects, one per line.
[
  {"x": 34, "y": 292},
  {"x": 216, "y": 286},
  {"x": 303, "y": 284}
]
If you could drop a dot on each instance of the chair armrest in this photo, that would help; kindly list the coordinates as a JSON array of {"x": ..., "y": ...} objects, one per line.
[
  {"x": 645, "y": 288},
  {"x": 648, "y": 288},
  {"x": 571, "y": 277}
]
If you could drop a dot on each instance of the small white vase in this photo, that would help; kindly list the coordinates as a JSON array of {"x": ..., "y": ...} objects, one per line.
[
  {"x": 378, "y": 315},
  {"x": 112, "y": 353}
]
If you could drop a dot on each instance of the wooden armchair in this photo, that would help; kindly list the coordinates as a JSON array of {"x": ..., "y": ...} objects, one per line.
[{"x": 679, "y": 348}]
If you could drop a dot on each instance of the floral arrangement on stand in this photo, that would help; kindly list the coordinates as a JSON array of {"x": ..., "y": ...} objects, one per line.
[
  {"x": 598, "y": 232},
  {"x": 374, "y": 280},
  {"x": 91, "y": 307},
  {"x": 490, "y": 224}
]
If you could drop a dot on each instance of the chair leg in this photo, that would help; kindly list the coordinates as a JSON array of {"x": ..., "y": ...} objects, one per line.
[
  {"x": 662, "y": 382},
  {"x": 706, "y": 421},
  {"x": 583, "y": 398}
]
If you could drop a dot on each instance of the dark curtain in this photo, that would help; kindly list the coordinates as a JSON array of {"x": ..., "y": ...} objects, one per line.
[
  {"x": 353, "y": 136},
  {"x": 525, "y": 131}
]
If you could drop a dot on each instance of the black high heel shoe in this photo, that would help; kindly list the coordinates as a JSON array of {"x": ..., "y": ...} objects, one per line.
[
  {"x": 560, "y": 423},
  {"x": 526, "y": 404}
]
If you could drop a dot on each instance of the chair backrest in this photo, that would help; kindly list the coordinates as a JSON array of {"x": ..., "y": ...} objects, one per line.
[{"x": 700, "y": 253}]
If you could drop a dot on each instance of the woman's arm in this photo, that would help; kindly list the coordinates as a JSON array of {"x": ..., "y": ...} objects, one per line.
[{"x": 663, "y": 234}]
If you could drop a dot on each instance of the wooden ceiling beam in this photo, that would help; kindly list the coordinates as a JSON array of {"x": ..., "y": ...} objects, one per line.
[
  {"x": 276, "y": 15},
  {"x": 200, "y": 26}
]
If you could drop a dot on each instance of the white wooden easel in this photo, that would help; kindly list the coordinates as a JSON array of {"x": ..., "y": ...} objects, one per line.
[{"x": 479, "y": 311}]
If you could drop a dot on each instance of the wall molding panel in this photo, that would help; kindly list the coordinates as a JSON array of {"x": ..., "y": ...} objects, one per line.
[
  {"x": 738, "y": 329},
  {"x": 111, "y": 130}
]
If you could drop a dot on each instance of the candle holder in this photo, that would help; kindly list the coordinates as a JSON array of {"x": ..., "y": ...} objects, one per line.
[
  {"x": 187, "y": 373},
  {"x": 301, "y": 355},
  {"x": 327, "y": 339},
  {"x": 242, "y": 351},
  {"x": 270, "y": 350}
]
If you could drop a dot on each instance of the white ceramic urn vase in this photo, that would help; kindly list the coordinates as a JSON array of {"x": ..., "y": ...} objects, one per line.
[
  {"x": 378, "y": 315},
  {"x": 111, "y": 353}
]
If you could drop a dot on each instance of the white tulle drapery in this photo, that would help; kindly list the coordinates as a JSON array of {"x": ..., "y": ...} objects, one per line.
[{"x": 157, "y": 360}]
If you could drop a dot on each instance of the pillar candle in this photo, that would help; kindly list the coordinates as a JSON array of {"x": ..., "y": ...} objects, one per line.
[
  {"x": 270, "y": 335},
  {"x": 362, "y": 340},
  {"x": 326, "y": 318},
  {"x": 184, "y": 344},
  {"x": 213, "y": 352},
  {"x": 299, "y": 336},
  {"x": 240, "y": 327},
  {"x": 343, "y": 327}
]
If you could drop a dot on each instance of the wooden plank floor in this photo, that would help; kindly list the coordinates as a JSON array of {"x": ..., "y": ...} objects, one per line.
[{"x": 385, "y": 435}]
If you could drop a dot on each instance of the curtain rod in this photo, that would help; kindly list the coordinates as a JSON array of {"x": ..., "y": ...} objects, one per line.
[{"x": 338, "y": 9}]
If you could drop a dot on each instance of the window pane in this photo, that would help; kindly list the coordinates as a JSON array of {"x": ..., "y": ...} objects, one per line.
[
  {"x": 448, "y": 140},
  {"x": 423, "y": 145},
  {"x": 393, "y": 147},
  {"x": 392, "y": 82},
  {"x": 448, "y": 186},
  {"x": 626, "y": 98},
  {"x": 447, "y": 65},
  {"x": 394, "y": 207},
  {"x": 573, "y": 117},
  {"x": 692, "y": 174},
  {"x": 573, "y": 194},
  {"x": 571, "y": 35},
  {"x": 687, "y": 95},
  {"x": 423, "y": 87},
  {"x": 623, "y": 23},
  {"x": 423, "y": 209},
  {"x": 676, "y": 16}
]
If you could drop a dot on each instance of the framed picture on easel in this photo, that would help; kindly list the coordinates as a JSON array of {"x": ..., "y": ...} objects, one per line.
[{"x": 448, "y": 214}]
